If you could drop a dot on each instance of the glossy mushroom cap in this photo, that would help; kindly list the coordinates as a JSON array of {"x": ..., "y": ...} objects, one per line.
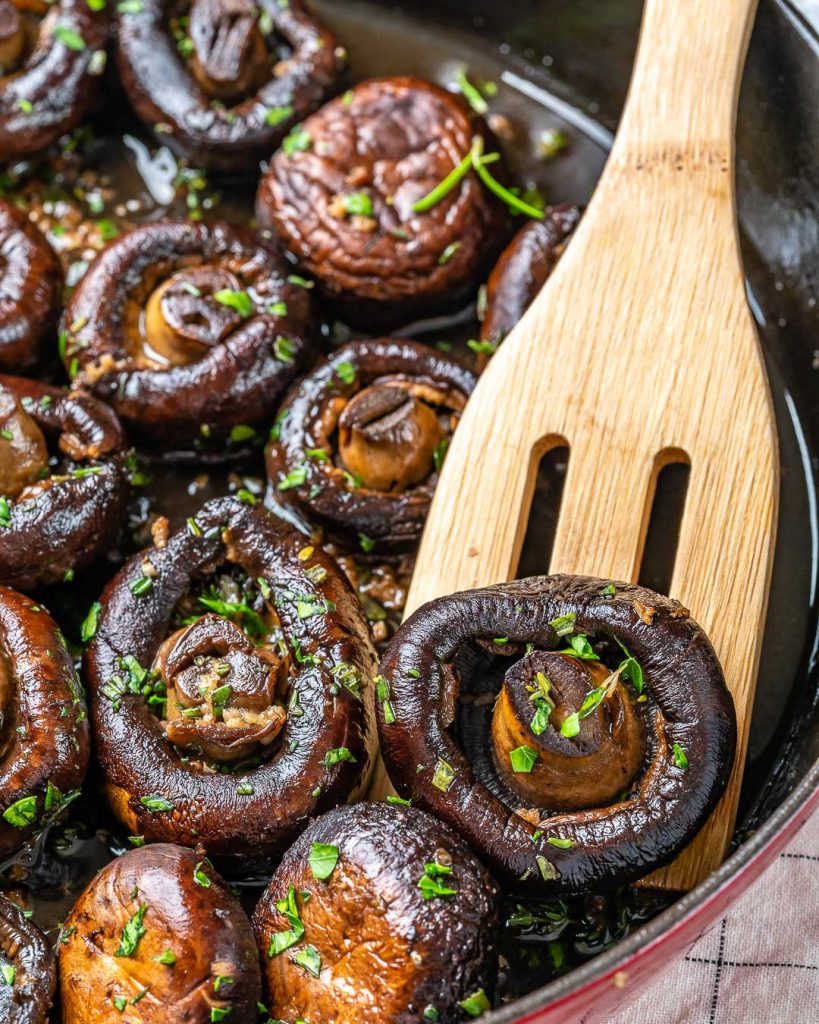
[
  {"x": 61, "y": 508},
  {"x": 188, "y": 330},
  {"x": 157, "y": 938},
  {"x": 230, "y": 734},
  {"x": 31, "y": 282},
  {"x": 226, "y": 79},
  {"x": 378, "y": 915},
  {"x": 49, "y": 73},
  {"x": 611, "y": 739},
  {"x": 344, "y": 201},
  {"x": 26, "y": 952},
  {"x": 44, "y": 742},
  {"x": 358, "y": 443}
]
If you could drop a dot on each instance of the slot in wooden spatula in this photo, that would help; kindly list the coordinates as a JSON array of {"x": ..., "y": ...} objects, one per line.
[{"x": 639, "y": 351}]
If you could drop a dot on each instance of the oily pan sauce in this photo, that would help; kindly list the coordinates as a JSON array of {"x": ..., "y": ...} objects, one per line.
[{"x": 113, "y": 177}]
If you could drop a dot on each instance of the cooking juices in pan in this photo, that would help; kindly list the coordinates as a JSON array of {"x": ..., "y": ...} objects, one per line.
[{"x": 115, "y": 178}]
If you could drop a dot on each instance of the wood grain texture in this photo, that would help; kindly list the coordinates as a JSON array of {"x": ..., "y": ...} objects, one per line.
[{"x": 640, "y": 350}]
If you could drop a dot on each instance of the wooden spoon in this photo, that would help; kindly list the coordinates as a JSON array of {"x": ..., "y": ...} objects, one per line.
[{"x": 639, "y": 351}]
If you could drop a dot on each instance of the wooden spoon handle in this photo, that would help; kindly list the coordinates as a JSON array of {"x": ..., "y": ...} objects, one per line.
[{"x": 686, "y": 77}]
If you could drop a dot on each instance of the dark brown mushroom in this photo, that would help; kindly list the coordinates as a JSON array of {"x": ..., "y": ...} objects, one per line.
[
  {"x": 231, "y": 734},
  {"x": 379, "y": 915},
  {"x": 226, "y": 80},
  {"x": 611, "y": 742},
  {"x": 349, "y": 198},
  {"x": 29, "y": 971},
  {"x": 57, "y": 512},
  {"x": 157, "y": 938},
  {"x": 358, "y": 442},
  {"x": 51, "y": 59},
  {"x": 43, "y": 723},
  {"x": 30, "y": 285},
  {"x": 521, "y": 272},
  {"x": 188, "y": 329}
]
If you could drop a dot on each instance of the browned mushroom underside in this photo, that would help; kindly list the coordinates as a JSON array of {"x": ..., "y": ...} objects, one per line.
[
  {"x": 24, "y": 948},
  {"x": 49, "y": 85},
  {"x": 361, "y": 438},
  {"x": 323, "y": 753},
  {"x": 687, "y": 727},
  {"x": 233, "y": 58},
  {"x": 44, "y": 741},
  {"x": 57, "y": 520}
]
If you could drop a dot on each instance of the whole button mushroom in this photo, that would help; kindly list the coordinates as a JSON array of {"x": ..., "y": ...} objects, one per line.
[
  {"x": 188, "y": 330},
  {"x": 225, "y": 81},
  {"x": 374, "y": 196},
  {"x": 51, "y": 59},
  {"x": 378, "y": 914},
  {"x": 230, "y": 676},
  {"x": 576, "y": 732},
  {"x": 157, "y": 938},
  {"x": 58, "y": 509},
  {"x": 28, "y": 968},
  {"x": 359, "y": 441},
  {"x": 31, "y": 281},
  {"x": 44, "y": 741}
]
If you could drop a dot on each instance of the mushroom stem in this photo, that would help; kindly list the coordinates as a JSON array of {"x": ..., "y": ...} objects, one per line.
[
  {"x": 388, "y": 436},
  {"x": 23, "y": 450},
  {"x": 183, "y": 317},
  {"x": 565, "y": 733},
  {"x": 221, "y": 690},
  {"x": 230, "y": 57}
]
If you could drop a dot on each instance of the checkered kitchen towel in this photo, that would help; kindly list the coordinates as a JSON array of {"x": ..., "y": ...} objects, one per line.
[{"x": 760, "y": 963}]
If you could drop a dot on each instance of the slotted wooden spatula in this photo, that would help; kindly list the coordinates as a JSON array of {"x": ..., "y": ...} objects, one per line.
[{"x": 639, "y": 351}]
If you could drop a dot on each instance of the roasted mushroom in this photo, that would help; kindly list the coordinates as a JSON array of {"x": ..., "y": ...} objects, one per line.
[
  {"x": 51, "y": 57},
  {"x": 373, "y": 196},
  {"x": 522, "y": 271},
  {"x": 28, "y": 974},
  {"x": 188, "y": 329},
  {"x": 56, "y": 512},
  {"x": 358, "y": 443},
  {"x": 43, "y": 723},
  {"x": 378, "y": 914},
  {"x": 157, "y": 938},
  {"x": 229, "y": 709},
  {"x": 30, "y": 285},
  {"x": 610, "y": 742},
  {"x": 224, "y": 81}
]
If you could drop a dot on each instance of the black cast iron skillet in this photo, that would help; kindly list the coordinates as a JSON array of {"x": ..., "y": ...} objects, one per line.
[{"x": 590, "y": 44}]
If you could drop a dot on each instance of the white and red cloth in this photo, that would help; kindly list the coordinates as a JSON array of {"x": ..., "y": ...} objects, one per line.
[{"x": 759, "y": 964}]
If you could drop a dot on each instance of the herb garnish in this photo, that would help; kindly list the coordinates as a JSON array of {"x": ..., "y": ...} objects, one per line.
[
  {"x": 323, "y": 860},
  {"x": 132, "y": 933}
]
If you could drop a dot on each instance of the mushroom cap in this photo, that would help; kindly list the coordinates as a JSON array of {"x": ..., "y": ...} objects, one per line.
[
  {"x": 386, "y": 952},
  {"x": 321, "y": 487},
  {"x": 31, "y": 281},
  {"x": 688, "y": 713},
  {"x": 44, "y": 737},
  {"x": 145, "y": 904},
  {"x": 325, "y": 751},
  {"x": 260, "y": 108},
  {"x": 24, "y": 947},
  {"x": 342, "y": 202}
]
